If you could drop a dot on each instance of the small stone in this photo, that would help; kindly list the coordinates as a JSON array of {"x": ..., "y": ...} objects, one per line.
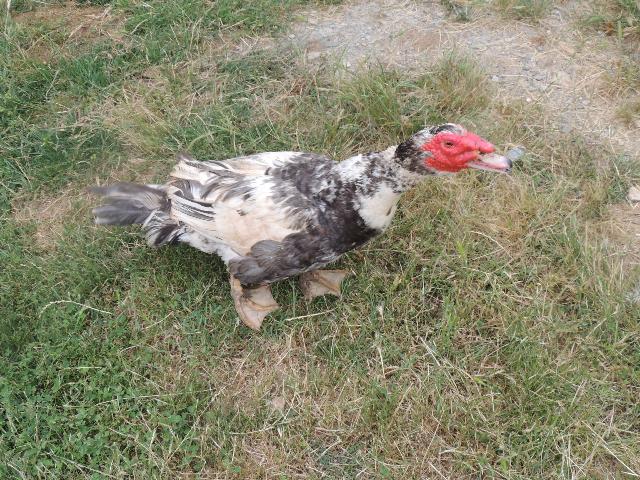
[
  {"x": 563, "y": 78},
  {"x": 515, "y": 153},
  {"x": 277, "y": 403},
  {"x": 634, "y": 295},
  {"x": 634, "y": 194}
]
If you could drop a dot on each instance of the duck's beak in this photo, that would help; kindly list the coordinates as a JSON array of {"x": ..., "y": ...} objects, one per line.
[{"x": 492, "y": 162}]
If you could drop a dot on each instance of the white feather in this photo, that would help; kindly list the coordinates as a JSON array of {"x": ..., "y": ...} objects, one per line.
[
  {"x": 224, "y": 222},
  {"x": 378, "y": 209}
]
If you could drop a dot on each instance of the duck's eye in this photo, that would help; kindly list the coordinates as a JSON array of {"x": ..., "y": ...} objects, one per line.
[{"x": 448, "y": 144}]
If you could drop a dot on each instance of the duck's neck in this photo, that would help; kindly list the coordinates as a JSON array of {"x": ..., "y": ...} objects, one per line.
[
  {"x": 379, "y": 179},
  {"x": 369, "y": 171}
]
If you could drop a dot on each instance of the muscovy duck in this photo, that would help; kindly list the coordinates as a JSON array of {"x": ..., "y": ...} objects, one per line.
[{"x": 276, "y": 215}]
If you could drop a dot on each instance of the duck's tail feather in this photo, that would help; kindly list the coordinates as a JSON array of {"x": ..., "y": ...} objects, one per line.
[
  {"x": 128, "y": 203},
  {"x": 160, "y": 229},
  {"x": 147, "y": 205}
]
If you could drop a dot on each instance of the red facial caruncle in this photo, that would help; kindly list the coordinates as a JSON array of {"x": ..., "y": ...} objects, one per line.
[{"x": 452, "y": 152}]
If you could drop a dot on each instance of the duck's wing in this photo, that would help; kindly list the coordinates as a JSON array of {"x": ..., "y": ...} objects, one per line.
[
  {"x": 245, "y": 200},
  {"x": 251, "y": 165}
]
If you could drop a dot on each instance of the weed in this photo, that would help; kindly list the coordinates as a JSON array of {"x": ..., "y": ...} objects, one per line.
[
  {"x": 524, "y": 9},
  {"x": 461, "y": 10},
  {"x": 623, "y": 82},
  {"x": 616, "y": 17},
  {"x": 629, "y": 113},
  {"x": 624, "y": 79}
]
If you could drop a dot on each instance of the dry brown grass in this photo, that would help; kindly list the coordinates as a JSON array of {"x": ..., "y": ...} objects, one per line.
[
  {"x": 48, "y": 216},
  {"x": 70, "y": 29},
  {"x": 622, "y": 226},
  {"x": 617, "y": 18},
  {"x": 629, "y": 112}
]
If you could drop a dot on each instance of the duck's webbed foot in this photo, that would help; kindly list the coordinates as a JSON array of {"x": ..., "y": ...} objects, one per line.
[
  {"x": 322, "y": 282},
  {"x": 252, "y": 304}
]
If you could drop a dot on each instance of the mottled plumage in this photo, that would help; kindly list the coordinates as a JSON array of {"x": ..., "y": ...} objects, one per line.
[{"x": 275, "y": 215}]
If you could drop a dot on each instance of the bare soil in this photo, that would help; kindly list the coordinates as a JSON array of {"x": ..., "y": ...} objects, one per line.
[{"x": 555, "y": 62}]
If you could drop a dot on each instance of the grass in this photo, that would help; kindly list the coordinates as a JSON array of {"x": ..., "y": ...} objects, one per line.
[
  {"x": 487, "y": 334},
  {"x": 48, "y": 76},
  {"x": 524, "y": 9},
  {"x": 532, "y": 10},
  {"x": 623, "y": 82},
  {"x": 629, "y": 113},
  {"x": 622, "y": 18},
  {"x": 461, "y": 10},
  {"x": 616, "y": 17},
  {"x": 625, "y": 78}
]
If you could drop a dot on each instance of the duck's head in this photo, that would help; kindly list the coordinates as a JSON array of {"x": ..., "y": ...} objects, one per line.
[{"x": 449, "y": 148}]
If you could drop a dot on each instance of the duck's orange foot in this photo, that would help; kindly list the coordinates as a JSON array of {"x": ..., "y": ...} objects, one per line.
[
  {"x": 252, "y": 304},
  {"x": 322, "y": 282}
]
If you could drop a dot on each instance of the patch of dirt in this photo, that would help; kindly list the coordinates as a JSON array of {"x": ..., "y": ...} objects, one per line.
[
  {"x": 624, "y": 229},
  {"x": 49, "y": 215},
  {"x": 552, "y": 63},
  {"x": 261, "y": 379}
]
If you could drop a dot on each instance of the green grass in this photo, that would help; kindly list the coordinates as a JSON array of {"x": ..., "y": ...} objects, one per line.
[
  {"x": 524, "y": 9},
  {"x": 65, "y": 81},
  {"x": 528, "y": 10},
  {"x": 486, "y": 335}
]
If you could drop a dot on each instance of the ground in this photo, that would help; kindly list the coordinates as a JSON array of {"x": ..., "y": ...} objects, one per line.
[
  {"x": 491, "y": 333},
  {"x": 551, "y": 62}
]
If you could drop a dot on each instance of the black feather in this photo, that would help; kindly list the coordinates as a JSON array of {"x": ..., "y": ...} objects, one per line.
[{"x": 128, "y": 203}]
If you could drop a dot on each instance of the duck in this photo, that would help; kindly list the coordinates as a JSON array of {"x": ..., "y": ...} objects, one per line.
[{"x": 276, "y": 215}]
